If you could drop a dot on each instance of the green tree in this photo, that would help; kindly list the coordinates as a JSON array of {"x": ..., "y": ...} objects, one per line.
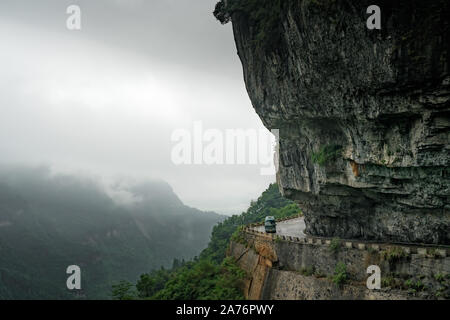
[{"x": 124, "y": 290}]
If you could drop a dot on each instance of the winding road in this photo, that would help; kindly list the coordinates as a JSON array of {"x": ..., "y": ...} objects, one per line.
[{"x": 292, "y": 228}]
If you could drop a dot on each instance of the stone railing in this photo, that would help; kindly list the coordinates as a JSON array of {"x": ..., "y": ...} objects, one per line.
[{"x": 423, "y": 249}]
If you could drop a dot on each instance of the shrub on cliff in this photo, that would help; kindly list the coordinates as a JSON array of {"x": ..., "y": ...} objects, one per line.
[
  {"x": 335, "y": 245},
  {"x": 393, "y": 254},
  {"x": 326, "y": 154},
  {"x": 340, "y": 274}
]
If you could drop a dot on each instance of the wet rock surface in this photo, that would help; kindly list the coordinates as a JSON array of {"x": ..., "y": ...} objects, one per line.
[{"x": 364, "y": 115}]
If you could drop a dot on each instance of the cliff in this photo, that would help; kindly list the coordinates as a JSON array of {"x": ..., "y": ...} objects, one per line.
[{"x": 364, "y": 115}]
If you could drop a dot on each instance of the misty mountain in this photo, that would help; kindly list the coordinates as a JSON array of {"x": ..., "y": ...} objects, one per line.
[{"x": 48, "y": 222}]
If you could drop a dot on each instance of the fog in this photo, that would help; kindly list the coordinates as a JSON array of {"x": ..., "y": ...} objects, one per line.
[
  {"x": 103, "y": 101},
  {"x": 50, "y": 221}
]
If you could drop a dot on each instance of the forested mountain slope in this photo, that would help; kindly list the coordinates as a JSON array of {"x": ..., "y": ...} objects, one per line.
[{"x": 49, "y": 222}]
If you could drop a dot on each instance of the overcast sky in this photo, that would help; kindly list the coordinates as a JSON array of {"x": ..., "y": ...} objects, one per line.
[{"x": 105, "y": 100}]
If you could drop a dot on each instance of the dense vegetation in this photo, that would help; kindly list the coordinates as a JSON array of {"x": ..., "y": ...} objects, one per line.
[
  {"x": 50, "y": 222},
  {"x": 211, "y": 275}
]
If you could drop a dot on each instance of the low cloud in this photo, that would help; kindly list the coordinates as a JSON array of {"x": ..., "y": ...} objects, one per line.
[{"x": 105, "y": 100}]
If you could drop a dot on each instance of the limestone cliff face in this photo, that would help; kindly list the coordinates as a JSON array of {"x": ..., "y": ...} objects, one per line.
[{"x": 364, "y": 115}]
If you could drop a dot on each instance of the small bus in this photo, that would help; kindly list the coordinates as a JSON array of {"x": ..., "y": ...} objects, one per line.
[{"x": 270, "y": 225}]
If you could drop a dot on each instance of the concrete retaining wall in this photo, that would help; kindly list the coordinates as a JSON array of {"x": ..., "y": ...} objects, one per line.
[{"x": 271, "y": 260}]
